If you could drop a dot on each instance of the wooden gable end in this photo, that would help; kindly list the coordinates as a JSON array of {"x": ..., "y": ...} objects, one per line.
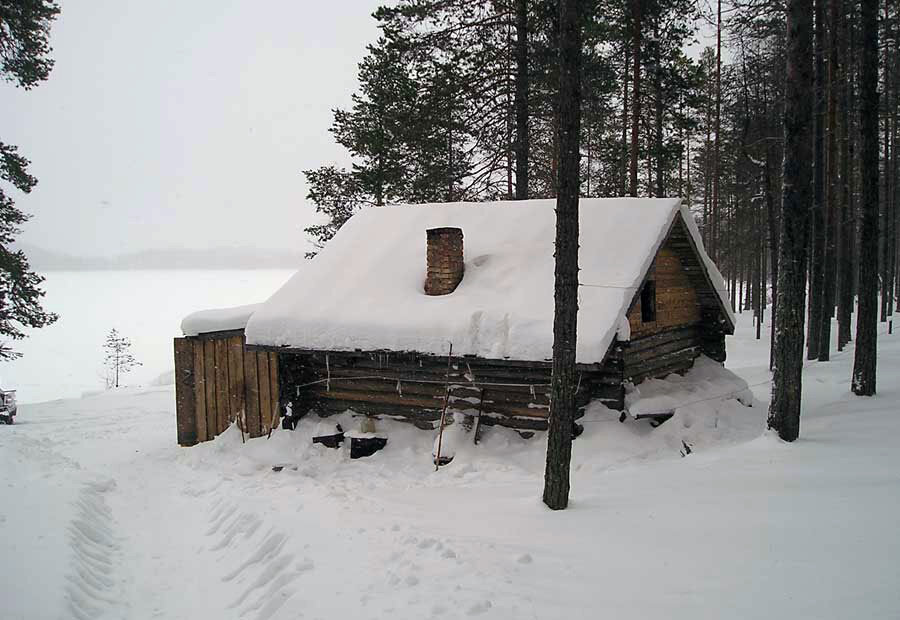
[
  {"x": 684, "y": 292},
  {"x": 677, "y": 303}
]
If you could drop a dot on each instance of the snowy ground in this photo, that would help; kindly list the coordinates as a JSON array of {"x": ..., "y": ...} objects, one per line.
[{"x": 105, "y": 517}]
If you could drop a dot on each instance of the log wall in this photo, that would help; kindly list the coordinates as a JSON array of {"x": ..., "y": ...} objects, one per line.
[
  {"x": 218, "y": 381},
  {"x": 413, "y": 386}
]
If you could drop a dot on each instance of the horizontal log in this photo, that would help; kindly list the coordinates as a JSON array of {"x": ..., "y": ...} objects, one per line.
[
  {"x": 662, "y": 368},
  {"x": 647, "y": 355},
  {"x": 688, "y": 352},
  {"x": 410, "y": 389},
  {"x": 674, "y": 333},
  {"x": 434, "y": 404},
  {"x": 219, "y": 335}
]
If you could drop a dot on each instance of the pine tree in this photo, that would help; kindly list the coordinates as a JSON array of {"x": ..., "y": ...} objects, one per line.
[
  {"x": 336, "y": 195},
  {"x": 863, "y": 383},
  {"x": 119, "y": 359},
  {"x": 372, "y": 130},
  {"x": 784, "y": 409},
  {"x": 24, "y": 61},
  {"x": 562, "y": 398}
]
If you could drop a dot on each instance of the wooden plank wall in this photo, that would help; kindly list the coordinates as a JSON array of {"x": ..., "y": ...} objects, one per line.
[
  {"x": 688, "y": 317},
  {"x": 677, "y": 303},
  {"x": 218, "y": 381}
]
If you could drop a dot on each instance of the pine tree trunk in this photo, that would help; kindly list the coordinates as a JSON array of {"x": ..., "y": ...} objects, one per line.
[
  {"x": 845, "y": 228},
  {"x": 784, "y": 410},
  {"x": 774, "y": 246},
  {"x": 832, "y": 188},
  {"x": 714, "y": 237},
  {"x": 863, "y": 383},
  {"x": 625, "y": 152},
  {"x": 817, "y": 254},
  {"x": 562, "y": 391},
  {"x": 658, "y": 114},
  {"x": 521, "y": 103},
  {"x": 635, "y": 96},
  {"x": 885, "y": 227}
]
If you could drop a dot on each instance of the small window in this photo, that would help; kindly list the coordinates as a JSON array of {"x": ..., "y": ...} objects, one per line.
[{"x": 648, "y": 302}]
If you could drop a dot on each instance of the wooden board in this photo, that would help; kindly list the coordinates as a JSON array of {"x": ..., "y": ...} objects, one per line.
[
  {"x": 265, "y": 387},
  {"x": 185, "y": 408},
  {"x": 209, "y": 371},
  {"x": 236, "y": 390},
  {"x": 251, "y": 394},
  {"x": 222, "y": 400},
  {"x": 199, "y": 389},
  {"x": 273, "y": 389}
]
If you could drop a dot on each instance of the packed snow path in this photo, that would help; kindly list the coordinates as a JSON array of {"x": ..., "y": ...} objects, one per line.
[{"x": 104, "y": 517}]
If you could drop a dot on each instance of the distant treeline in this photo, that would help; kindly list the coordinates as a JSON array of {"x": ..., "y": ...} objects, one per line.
[{"x": 215, "y": 258}]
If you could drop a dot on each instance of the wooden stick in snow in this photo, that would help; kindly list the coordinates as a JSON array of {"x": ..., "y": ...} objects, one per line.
[{"x": 437, "y": 457}]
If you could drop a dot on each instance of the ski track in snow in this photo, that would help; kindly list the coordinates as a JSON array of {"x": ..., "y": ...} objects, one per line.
[
  {"x": 266, "y": 575},
  {"x": 92, "y": 576}
]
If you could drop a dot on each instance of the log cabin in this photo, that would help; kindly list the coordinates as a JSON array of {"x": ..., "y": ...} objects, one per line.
[{"x": 409, "y": 302}]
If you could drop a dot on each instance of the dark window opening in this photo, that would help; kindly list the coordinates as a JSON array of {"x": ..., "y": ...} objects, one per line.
[{"x": 648, "y": 302}]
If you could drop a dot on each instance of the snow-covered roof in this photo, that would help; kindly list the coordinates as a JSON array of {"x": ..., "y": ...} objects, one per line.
[
  {"x": 217, "y": 320},
  {"x": 365, "y": 289}
]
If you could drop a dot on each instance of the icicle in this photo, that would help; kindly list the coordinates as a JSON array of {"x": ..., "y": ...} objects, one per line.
[
  {"x": 399, "y": 388},
  {"x": 531, "y": 387},
  {"x": 327, "y": 374}
]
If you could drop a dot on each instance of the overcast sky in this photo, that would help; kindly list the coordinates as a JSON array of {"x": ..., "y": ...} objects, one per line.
[{"x": 184, "y": 123}]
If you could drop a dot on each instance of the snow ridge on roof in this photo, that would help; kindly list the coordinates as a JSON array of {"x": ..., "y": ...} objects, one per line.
[
  {"x": 216, "y": 320},
  {"x": 365, "y": 289}
]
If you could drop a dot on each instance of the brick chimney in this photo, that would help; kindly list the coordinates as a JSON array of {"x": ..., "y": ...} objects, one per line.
[{"x": 445, "y": 260}]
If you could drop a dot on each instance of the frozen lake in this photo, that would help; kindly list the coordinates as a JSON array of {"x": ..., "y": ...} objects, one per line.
[{"x": 66, "y": 359}]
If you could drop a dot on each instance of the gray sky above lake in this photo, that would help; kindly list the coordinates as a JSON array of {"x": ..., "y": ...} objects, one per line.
[{"x": 184, "y": 123}]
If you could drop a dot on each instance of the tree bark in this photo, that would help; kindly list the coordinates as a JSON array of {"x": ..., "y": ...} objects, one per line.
[
  {"x": 784, "y": 410},
  {"x": 714, "y": 237},
  {"x": 845, "y": 225},
  {"x": 563, "y": 381},
  {"x": 658, "y": 112},
  {"x": 635, "y": 96},
  {"x": 832, "y": 188},
  {"x": 817, "y": 254},
  {"x": 521, "y": 103},
  {"x": 863, "y": 383}
]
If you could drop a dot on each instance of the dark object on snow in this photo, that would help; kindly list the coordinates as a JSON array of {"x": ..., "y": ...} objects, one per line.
[
  {"x": 656, "y": 418},
  {"x": 366, "y": 446},
  {"x": 577, "y": 429},
  {"x": 277, "y": 467},
  {"x": 687, "y": 448},
  {"x": 288, "y": 423},
  {"x": 7, "y": 406},
  {"x": 444, "y": 460},
  {"x": 331, "y": 441}
]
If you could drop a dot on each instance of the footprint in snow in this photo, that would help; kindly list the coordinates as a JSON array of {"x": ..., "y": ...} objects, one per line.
[
  {"x": 479, "y": 608},
  {"x": 525, "y": 558}
]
